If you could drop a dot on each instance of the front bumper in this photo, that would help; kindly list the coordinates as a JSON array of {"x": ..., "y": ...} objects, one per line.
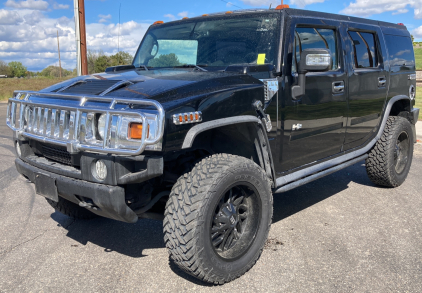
[{"x": 104, "y": 200}]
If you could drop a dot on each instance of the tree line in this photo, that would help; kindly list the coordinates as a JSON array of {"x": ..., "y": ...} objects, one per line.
[{"x": 97, "y": 63}]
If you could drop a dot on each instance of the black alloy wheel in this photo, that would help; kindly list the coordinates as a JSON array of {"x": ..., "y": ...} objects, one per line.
[
  {"x": 236, "y": 220},
  {"x": 389, "y": 161},
  {"x": 401, "y": 152},
  {"x": 218, "y": 217}
]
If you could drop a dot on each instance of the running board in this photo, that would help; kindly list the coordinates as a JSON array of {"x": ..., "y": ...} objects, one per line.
[{"x": 319, "y": 175}]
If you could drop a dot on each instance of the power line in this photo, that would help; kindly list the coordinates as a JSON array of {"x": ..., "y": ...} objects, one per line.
[{"x": 232, "y": 4}]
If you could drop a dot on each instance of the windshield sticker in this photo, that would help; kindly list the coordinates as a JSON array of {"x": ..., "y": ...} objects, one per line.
[{"x": 261, "y": 59}]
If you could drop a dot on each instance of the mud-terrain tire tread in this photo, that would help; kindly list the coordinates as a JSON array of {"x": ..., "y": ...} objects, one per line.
[
  {"x": 181, "y": 224},
  {"x": 380, "y": 163},
  {"x": 71, "y": 209}
]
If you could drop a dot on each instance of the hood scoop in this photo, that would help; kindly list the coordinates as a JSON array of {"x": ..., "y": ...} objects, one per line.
[{"x": 94, "y": 87}]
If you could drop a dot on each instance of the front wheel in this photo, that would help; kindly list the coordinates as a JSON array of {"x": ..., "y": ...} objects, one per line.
[
  {"x": 217, "y": 218},
  {"x": 389, "y": 161}
]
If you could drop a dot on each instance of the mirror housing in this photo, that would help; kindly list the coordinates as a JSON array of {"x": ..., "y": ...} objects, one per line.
[{"x": 311, "y": 60}]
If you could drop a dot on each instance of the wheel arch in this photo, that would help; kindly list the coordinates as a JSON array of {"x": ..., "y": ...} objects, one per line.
[{"x": 243, "y": 136}]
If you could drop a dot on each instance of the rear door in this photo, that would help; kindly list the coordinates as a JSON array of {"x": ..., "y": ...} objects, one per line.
[{"x": 368, "y": 82}]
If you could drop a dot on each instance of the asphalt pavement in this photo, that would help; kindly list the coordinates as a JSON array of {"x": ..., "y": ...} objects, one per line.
[{"x": 338, "y": 234}]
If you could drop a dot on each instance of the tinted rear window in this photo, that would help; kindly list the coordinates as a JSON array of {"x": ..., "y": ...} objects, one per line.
[
  {"x": 400, "y": 51},
  {"x": 364, "y": 49}
]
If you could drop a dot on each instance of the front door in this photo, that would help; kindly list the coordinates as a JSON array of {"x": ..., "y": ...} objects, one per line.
[
  {"x": 313, "y": 125},
  {"x": 368, "y": 82}
]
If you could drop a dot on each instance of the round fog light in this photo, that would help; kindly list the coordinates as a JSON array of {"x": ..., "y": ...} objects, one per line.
[
  {"x": 18, "y": 149},
  {"x": 99, "y": 170}
]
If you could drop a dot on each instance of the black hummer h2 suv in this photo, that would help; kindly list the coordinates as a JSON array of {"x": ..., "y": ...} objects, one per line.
[{"x": 215, "y": 115}]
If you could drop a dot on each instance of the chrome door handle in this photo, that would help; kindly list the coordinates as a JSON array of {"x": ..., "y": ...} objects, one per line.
[
  {"x": 382, "y": 81},
  {"x": 338, "y": 87}
]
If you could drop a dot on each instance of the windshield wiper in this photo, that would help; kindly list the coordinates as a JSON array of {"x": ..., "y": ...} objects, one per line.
[
  {"x": 145, "y": 67},
  {"x": 193, "y": 66}
]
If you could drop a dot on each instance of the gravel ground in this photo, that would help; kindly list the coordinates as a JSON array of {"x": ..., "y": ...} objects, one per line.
[{"x": 338, "y": 234}]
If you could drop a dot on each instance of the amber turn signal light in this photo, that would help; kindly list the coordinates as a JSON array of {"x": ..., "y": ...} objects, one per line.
[{"x": 135, "y": 131}]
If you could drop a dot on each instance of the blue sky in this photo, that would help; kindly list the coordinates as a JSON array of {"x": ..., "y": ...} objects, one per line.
[{"x": 28, "y": 28}]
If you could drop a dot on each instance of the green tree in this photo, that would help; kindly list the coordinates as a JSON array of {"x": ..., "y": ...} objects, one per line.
[
  {"x": 121, "y": 58},
  {"x": 5, "y": 69},
  {"x": 17, "y": 69},
  {"x": 54, "y": 71},
  {"x": 413, "y": 38},
  {"x": 102, "y": 63},
  {"x": 165, "y": 60},
  {"x": 92, "y": 57}
]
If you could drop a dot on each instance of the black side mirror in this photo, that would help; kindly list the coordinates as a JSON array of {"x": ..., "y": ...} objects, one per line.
[{"x": 311, "y": 60}]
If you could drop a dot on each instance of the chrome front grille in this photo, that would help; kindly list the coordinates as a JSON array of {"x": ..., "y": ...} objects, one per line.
[
  {"x": 66, "y": 120},
  {"x": 50, "y": 123}
]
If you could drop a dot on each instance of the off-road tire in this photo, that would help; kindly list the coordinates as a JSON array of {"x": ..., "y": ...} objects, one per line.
[
  {"x": 71, "y": 209},
  {"x": 187, "y": 217},
  {"x": 380, "y": 165}
]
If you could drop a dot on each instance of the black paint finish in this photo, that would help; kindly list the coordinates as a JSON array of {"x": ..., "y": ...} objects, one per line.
[{"x": 332, "y": 123}]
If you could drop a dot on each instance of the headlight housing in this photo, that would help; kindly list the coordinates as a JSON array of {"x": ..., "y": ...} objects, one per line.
[
  {"x": 101, "y": 125},
  {"x": 127, "y": 132}
]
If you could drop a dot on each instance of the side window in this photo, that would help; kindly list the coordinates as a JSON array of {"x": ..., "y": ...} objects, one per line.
[
  {"x": 314, "y": 38},
  {"x": 400, "y": 50},
  {"x": 364, "y": 49}
]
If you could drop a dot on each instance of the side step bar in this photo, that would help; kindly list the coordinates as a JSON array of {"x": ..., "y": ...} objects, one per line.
[{"x": 321, "y": 174}]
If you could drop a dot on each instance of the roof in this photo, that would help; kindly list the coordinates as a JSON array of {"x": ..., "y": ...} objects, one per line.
[{"x": 307, "y": 13}]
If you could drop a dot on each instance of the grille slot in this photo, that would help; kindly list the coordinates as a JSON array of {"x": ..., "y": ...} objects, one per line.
[
  {"x": 57, "y": 154},
  {"x": 90, "y": 87}
]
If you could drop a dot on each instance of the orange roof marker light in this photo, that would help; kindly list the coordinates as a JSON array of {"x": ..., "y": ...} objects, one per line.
[
  {"x": 204, "y": 14},
  {"x": 158, "y": 22},
  {"x": 229, "y": 12},
  {"x": 280, "y": 7},
  {"x": 185, "y": 18}
]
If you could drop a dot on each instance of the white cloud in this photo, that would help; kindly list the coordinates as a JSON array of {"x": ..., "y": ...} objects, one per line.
[
  {"x": 367, "y": 8},
  {"x": 298, "y": 3},
  {"x": 170, "y": 16},
  {"x": 9, "y": 17},
  {"x": 104, "y": 18},
  {"x": 257, "y": 2},
  {"x": 60, "y": 6},
  {"x": 27, "y": 4},
  {"x": 183, "y": 14},
  {"x": 31, "y": 38},
  {"x": 303, "y": 3},
  {"x": 401, "y": 11},
  {"x": 417, "y": 32}
]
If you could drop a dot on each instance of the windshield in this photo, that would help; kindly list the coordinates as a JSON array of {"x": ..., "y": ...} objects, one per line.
[{"x": 238, "y": 39}]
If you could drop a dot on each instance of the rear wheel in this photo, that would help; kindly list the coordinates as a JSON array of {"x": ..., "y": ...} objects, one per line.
[
  {"x": 217, "y": 218},
  {"x": 71, "y": 209},
  {"x": 390, "y": 159}
]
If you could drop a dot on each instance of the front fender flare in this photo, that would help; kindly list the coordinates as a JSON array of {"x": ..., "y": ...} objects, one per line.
[{"x": 263, "y": 147}]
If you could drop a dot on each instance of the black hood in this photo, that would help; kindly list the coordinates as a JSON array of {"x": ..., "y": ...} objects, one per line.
[{"x": 167, "y": 86}]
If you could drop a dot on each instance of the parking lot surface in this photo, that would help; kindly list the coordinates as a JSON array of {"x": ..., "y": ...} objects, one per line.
[{"x": 338, "y": 234}]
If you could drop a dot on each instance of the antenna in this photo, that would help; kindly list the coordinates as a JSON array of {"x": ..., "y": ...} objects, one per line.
[{"x": 118, "y": 38}]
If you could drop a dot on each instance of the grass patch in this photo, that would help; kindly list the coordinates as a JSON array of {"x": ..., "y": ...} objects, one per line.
[
  {"x": 419, "y": 100},
  {"x": 418, "y": 57},
  {"x": 9, "y": 85}
]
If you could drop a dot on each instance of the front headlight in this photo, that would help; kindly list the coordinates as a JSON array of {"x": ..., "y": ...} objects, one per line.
[
  {"x": 101, "y": 125},
  {"x": 128, "y": 132}
]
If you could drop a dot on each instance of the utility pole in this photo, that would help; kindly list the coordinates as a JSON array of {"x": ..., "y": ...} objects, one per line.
[
  {"x": 80, "y": 31},
  {"x": 58, "y": 46},
  {"x": 77, "y": 38},
  {"x": 82, "y": 28}
]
